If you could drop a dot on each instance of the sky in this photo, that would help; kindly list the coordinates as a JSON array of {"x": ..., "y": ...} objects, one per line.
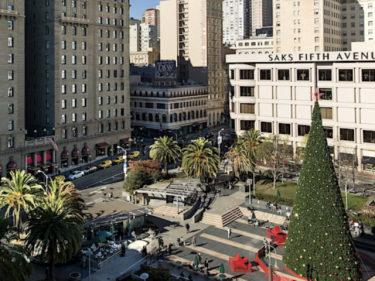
[{"x": 139, "y": 6}]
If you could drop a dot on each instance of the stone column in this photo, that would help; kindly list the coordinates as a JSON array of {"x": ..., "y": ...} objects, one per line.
[
  {"x": 44, "y": 157},
  {"x": 35, "y": 159}
]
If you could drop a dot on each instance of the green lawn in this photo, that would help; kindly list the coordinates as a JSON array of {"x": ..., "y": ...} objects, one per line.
[{"x": 288, "y": 191}]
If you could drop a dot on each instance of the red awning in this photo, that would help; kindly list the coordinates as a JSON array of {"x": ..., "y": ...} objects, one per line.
[
  {"x": 85, "y": 150},
  {"x": 1, "y": 169},
  {"x": 75, "y": 152},
  {"x": 29, "y": 160},
  {"x": 65, "y": 154},
  {"x": 125, "y": 140},
  {"x": 102, "y": 144},
  {"x": 11, "y": 165},
  {"x": 39, "y": 158},
  {"x": 48, "y": 156}
]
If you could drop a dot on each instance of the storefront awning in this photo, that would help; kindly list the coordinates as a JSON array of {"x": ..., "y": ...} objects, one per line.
[
  {"x": 33, "y": 168},
  {"x": 368, "y": 160},
  {"x": 102, "y": 144},
  {"x": 11, "y": 165},
  {"x": 125, "y": 140},
  {"x": 29, "y": 160},
  {"x": 39, "y": 158}
]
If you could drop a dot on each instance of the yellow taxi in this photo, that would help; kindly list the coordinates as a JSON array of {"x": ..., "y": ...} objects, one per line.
[
  {"x": 119, "y": 159},
  {"x": 106, "y": 164},
  {"x": 133, "y": 155}
]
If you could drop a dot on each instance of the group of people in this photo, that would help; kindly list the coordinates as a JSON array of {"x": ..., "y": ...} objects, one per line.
[
  {"x": 200, "y": 259},
  {"x": 357, "y": 227}
]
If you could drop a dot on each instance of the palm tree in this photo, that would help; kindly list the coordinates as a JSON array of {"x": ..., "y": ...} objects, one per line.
[
  {"x": 238, "y": 155},
  {"x": 19, "y": 193},
  {"x": 60, "y": 190},
  {"x": 200, "y": 159},
  {"x": 251, "y": 140},
  {"x": 13, "y": 259},
  {"x": 165, "y": 149},
  {"x": 55, "y": 231}
]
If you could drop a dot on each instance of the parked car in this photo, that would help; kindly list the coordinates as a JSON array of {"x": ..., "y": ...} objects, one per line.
[
  {"x": 119, "y": 159},
  {"x": 90, "y": 169},
  {"x": 76, "y": 175},
  {"x": 209, "y": 135},
  {"x": 106, "y": 164},
  {"x": 133, "y": 155}
]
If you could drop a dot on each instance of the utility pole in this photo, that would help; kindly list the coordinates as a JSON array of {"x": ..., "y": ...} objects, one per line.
[{"x": 354, "y": 158}]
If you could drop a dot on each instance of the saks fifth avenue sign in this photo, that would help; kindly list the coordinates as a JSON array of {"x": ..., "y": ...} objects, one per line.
[
  {"x": 303, "y": 57},
  {"x": 334, "y": 56}
]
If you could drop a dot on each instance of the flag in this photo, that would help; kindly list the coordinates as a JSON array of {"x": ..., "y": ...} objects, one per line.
[{"x": 53, "y": 143}]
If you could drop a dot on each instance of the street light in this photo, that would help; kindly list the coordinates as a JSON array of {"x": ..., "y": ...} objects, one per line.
[
  {"x": 89, "y": 253},
  {"x": 40, "y": 171},
  {"x": 45, "y": 131},
  {"x": 174, "y": 133},
  {"x": 125, "y": 164},
  {"x": 219, "y": 140}
]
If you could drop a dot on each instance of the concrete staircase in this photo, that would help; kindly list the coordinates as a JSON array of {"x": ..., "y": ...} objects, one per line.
[
  {"x": 263, "y": 216},
  {"x": 170, "y": 211},
  {"x": 222, "y": 220}
]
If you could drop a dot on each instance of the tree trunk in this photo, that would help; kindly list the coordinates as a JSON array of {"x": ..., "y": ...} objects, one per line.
[
  {"x": 274, "y": 181},
  {"x": 51, "y": 276},
  {"x": 166, "y": 167}
]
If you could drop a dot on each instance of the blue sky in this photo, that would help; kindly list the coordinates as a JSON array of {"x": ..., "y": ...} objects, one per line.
[{"x": 139, "y": 6}]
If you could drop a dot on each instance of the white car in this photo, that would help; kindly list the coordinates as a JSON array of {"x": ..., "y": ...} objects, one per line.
[
  {"x": 90, "y": 169},
  {"x": 76, "y": 175}
]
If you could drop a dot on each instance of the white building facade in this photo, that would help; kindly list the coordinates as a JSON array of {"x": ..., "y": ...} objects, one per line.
[
  {"x": 254, "y": 45},
  {"x": 274, "y": 94},
  {"x": 236, "y": 20}
]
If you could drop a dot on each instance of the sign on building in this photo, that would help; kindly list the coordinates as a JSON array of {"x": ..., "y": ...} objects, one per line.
[{"x": 165, "y": 70}]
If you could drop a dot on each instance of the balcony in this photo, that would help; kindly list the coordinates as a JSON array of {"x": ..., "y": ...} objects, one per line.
[
  {"x": 8, "y": 12},
  {"x": 75, "y": 20}
]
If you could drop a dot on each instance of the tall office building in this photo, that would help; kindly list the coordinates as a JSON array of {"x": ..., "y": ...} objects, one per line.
[
  {"x": 152, "y": 16},
  {"x": 191, "y": 34},
  {"x": 77, "y": 81},
  {"x": 236, "y": 20},
  {"x": 261, "y": 14},
  {"x": 144, "y": 45},
  {"x": 12, "y": 92}
]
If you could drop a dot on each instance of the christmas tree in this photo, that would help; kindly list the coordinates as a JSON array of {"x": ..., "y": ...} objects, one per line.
[{"x": 319, "y": 245}]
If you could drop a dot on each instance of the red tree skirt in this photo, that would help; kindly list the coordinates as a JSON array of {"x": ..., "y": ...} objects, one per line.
[{"x": 293, "y": 273}]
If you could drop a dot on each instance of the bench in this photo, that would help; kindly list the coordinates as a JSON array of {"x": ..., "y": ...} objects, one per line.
[{"x": 279, "y": 237}]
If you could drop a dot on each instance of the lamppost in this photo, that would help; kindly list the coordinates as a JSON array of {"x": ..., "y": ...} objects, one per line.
[
  {"x": 89, "y": 254},
  {"x": 125, "y": 162},
  {"x": 90, "y": 159},
  {"x": 40, "y": 171},
  {"x": 45, "y": 131},
  {"x": 174, "y": 133},
  {"x": 354, "y": 158},
  {"x": 219, "y": 140}
]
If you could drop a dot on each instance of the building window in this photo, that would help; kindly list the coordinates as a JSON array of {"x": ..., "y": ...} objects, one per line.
[
  {"x": 10, "y": 92},
  {"x": 46, "y": 15},
  {"x": 10, "y": 75},
  {"x": 265, "y": 74},
  {"x": 303, "y": 130},
  {"x": 303, "y": 75},
  {"x": 149, "y": 105},
  {"x": 63, "y": 104},
  {"x": 284, "y": 129},
  {"x": 248, "y": 108},
  {"x": 10, "y": 108},
  {"x": 326, "y": 113},
  {"x": 347, "y": 134},
  {"x": 84, "y": 88},
  {"x": 325, "y": 75},
  {"x": 369, "y": 136},
  {"x": 247, "y": 91},
  {"x": 10, "y": 25},
  {"x": 63, "y": 89},
  {"x": 74, "y": 45},
  {"x": 63, "y": 59},
  {"x": 64, "y": 134},
  {"x": 10, "y": 142},
  {"x": 283, "y": 74},
  {"x": 100, "y": 115},
  {"x": 10, "y": 42},
  {"x": 247, "y": 74},
  {"x": 266, "y": 127},
  {"x": 74, "y": 117},
  {"x": 328, "y": 132},
  {"x": 10, "y": 125},
  {"x": 10, "y": 58},
  {"x": 368, "y": 75},
  {"x": 327, "y": 93},
  {"x": 63, "y": 45},
  {"x": 247, "y": 125},
  {"x": 345, "y": 74},
  {"x": 63, "y": 119}
]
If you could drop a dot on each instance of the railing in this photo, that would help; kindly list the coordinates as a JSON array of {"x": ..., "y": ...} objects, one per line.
[
  {"x": 130, "y": 270},
  {"x": 72, "y": 19},
  {"x": 39, "y": 141},
  {"x": 8, "y": 12}
]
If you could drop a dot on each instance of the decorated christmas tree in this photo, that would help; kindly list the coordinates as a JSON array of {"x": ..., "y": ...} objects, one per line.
[{"x": 319, "y": 244}]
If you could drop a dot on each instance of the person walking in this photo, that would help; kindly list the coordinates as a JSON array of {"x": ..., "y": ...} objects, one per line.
[
  {"x": 229, "y": 233},
  {"x": 194, "y": 241},
  {"x": 187, "y": 226},
  {"x": 199, "y": 258},
  {"x": 170, "y": 249},
  {"x": 206, "y": 266}
]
